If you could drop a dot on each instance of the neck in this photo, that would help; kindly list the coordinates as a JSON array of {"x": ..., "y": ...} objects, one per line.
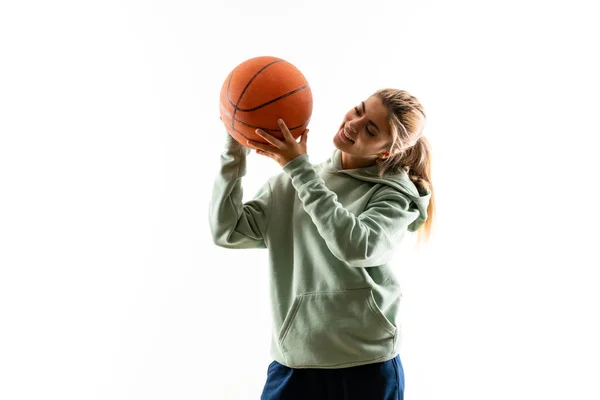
[{"x": 352, "y": 162}]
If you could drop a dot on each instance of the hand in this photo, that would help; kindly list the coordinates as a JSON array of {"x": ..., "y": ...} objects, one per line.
[{"x": 281, "y": 151}]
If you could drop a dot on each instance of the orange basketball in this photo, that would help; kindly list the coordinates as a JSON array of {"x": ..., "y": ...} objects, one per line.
[{"x": 258, "y": 92}]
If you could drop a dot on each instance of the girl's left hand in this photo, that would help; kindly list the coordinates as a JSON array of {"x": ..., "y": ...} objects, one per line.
[{"x": 281, "y": 151}]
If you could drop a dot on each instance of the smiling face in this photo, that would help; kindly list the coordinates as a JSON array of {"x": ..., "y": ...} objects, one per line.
[{"x": 364, "y": 135}]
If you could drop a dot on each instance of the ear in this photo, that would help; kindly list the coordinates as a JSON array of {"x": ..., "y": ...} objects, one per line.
[
  {"x": 384, "y": 155},
  {"x": 388, "y": 154}
]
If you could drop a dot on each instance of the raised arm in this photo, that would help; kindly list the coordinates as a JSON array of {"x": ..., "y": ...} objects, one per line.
[{"x": 235, "y": 224}]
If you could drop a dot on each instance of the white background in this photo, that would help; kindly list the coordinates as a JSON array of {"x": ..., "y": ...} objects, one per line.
[{"x": 110, "y": 286}]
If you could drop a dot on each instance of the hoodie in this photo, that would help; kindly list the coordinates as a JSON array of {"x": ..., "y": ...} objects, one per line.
[{"x": 330, "y": 233}]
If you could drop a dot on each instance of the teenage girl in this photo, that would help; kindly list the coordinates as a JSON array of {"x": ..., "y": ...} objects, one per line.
[{"x": 331, "y": 230}]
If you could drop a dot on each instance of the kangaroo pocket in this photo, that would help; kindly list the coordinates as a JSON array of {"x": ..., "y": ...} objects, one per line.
[{"x": 340, "y": 328}]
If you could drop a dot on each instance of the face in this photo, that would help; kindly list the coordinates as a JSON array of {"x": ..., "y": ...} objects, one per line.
[{"x": 364, "y": 135}]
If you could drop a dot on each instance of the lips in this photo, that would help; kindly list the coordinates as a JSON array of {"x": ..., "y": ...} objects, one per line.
[{"x": 346, "y": 136}]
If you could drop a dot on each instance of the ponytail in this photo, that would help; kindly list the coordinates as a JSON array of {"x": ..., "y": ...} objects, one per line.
[
  {"x": 418, "y": 165},
  {"x": 411, "y": 151}
]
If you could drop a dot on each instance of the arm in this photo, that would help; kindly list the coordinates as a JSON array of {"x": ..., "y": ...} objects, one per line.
[
  {"x": 233, "y": 224},
  {"x": 363, "y": 241}
]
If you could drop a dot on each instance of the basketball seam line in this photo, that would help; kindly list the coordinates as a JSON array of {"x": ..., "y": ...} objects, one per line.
[
  {"x": 273, "y": 130},
  {"x": 270, "y": 101},
  {"x": 256, "y": 126}
]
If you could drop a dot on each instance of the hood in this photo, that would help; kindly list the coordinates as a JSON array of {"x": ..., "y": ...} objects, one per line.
[{"x": 399, "y": 181}]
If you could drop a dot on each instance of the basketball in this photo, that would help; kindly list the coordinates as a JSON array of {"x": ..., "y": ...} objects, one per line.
[{"x": 258, "y": 92}]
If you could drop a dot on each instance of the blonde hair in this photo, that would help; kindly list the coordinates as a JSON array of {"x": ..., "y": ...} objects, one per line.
[{"x": 409, "y": 150}]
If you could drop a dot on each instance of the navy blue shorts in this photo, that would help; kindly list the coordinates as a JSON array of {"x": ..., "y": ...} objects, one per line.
[{"x": 379, "y": 381}]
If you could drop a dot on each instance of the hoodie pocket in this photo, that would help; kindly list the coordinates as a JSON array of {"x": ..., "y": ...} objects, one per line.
[{"x": 332, "y": 329}]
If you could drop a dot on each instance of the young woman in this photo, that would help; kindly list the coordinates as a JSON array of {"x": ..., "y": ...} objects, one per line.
[{"x": 331, "y": 230}]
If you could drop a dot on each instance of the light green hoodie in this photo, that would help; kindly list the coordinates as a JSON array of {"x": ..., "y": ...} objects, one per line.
[{"x": 330, "y": 234}]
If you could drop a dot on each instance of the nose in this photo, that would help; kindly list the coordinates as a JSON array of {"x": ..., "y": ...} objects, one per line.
[{"x": 352, "y": 125}]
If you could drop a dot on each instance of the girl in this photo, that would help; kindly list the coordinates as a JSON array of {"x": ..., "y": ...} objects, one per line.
[{"x": 331, "y": 230}]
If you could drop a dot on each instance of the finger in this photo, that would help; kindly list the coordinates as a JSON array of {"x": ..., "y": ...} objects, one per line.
[
  {"x": 273, "y": 140},
  {"x": 250, "y": 143},
  {"x": 304, "y": 136},
  {"x": 262, "y": 146},
  {"x": 264, "y": 153},
  {"x": 286, "y": 132}
]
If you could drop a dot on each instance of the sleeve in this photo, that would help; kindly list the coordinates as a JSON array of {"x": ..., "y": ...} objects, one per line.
[
  {"x": 361, "y": 241},
  {"x": 233, "y": 224}
]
